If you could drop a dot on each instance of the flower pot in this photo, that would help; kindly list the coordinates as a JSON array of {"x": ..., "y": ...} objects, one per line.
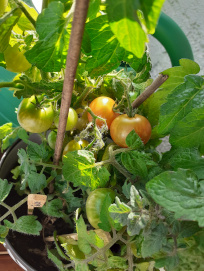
[{"x": 27, "y": 251}]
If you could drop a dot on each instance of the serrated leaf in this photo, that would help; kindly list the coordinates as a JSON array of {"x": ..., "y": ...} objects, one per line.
[
  {"x": 79, "y": 167},
  {"x": 135, "y": 198},
  {"x": 7, "y": 135},
  {"x": 117, "y": 262},
  {"x": 153, "y": 240},
  {"x": 119, "y": 212},
  {"x": 179, "y": 192},
  {"x": 136, "y": 162},
  {"x": 127, "y": 23},
  {"x": 133, "y": 140},
  {"x": 83, "y": 238},
  {"x": 136, "y": 223},
  {"x": 81, "y": 267},
  {"x": 151, "y": 107},
  {"x": 189, "y": 132},
  {"x": 52, "y": 256},
  {"x": 126, "y": 189},
  {"x": 5, "y": 189},
  {"x": 53, "y": 208},
  {"x": 106, "y": 54},
  {"x": 6, "y": 25},
  {"x": 36, "y": 182},
  {"x": 36, "y": 152},
  {"x": 25, "y": 224},
  {"x": 180, "y": 102},
  {"x": 184, "y": 158},
  {"x": 49, "y": 53}
]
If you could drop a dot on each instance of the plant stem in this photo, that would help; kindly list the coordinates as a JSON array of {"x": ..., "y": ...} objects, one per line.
[
  {"x": 12, "y": 209},
  {"x": 45, "y": 4},
  {"x": 7, "y": 84},
  {"x": 84, "y": 94},
  {"x": 150, "y": 90},
  {"x": 24, "y": 10},
  {"x": 78, "y": 25}
]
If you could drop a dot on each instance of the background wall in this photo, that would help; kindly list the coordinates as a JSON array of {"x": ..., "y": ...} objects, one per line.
[{"x": 189, "y": 15}]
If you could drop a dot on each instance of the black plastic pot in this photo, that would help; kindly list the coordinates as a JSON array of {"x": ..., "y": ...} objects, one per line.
[{"x": 20, "y": 246}]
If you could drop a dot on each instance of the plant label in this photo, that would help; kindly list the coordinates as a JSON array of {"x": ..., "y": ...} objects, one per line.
[{"x": 35, "y": 200}]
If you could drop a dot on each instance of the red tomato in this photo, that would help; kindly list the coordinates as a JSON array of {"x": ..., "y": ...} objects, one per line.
[
  {"x": 123, "y": 125},
  {"x": 103, "y": 107}
]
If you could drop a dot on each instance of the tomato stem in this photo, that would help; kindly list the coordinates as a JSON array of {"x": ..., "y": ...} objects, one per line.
[
  {"x": 27, "y": 14},
  {"x": 7, "y": 84},
  {"x": 11, "y": 210},
  {"x": 82, "y": 97}
]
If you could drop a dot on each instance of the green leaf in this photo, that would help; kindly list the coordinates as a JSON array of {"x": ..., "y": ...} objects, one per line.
[
  {"x": 136, "y": 223},
  {"x": 5, "y": 189},
  {"x": 117, "y": 262},
  {"x": 151, "y": 107},
  {"x": 106, "y": 54},
  {"x": 127, "y": 22},
  {"x": 25, "y": 224},
  {"x": 180, "y": 102},
  {"x": 55, "y": 259},
  {"x": 133, "y": 140},
  {"x": 94, "y": 7},
  {"x": 81, "y": 267},
  {"x": 7, "y": 135},
  {"x": 36, "y": 182},
  {"x": 135, "y": 198},
  {"x": 169, "y": 263},
  {"x": 85, "y": 239},
  {"x": 3, "y": 233},
  {"x": 49, "y": 53},
  {"x": 79, "y": 167},
  {"x": 104, "y": 215},
  {"x": 179, "y": 192},
  {"x": 184, "y": 158},
  {"x": 189, "y": 132},
  {"x": 119, "y": 212},
  {"x": 36, "y": 152},
  {"x": 126, "y": 189},
  {"x": 136, "y": 162},
  {"x": 125, "y": 25},
  {"x": 6, "y": 25},
  {"x": 53, "y": 208},
  {"x": 153, "y": 240}
]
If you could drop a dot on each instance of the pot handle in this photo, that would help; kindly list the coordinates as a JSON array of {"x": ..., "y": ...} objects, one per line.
[{"x": 170, "y": 35}]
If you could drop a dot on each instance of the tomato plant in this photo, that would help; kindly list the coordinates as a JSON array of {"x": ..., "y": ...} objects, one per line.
[
  {"x": 35, "y": 118},
  {"x": 94, "y": 204},
  {"x": 123, "y": 125},
  {"x": 103, "y": 107},
  {"x": 71, "y": 120}
]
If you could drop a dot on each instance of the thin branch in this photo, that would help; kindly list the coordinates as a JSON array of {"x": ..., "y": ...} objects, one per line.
[
  {"x": 150, "y": 90},
  {"x": 78, "y": 25},
  {"x": 24, "y": 10}
]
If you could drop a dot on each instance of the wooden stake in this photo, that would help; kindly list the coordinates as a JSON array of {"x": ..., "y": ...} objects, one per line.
[
  {"x": 79, "y": 19},
  {"x": 150, "y": 90}
]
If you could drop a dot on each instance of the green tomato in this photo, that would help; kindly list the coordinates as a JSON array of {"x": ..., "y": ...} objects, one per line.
[
  {"x": 51, "y": 139},
  {"x": 71, "y": 120},
  {"x": 15, "y": 60},
  {"x": 74, "y": 145},
  {"x": 94, "y": 204},
  {"x": 35, "y": 119},
  {"x": 3, "y": 5},
  {"x": 82, "y": 119}
]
